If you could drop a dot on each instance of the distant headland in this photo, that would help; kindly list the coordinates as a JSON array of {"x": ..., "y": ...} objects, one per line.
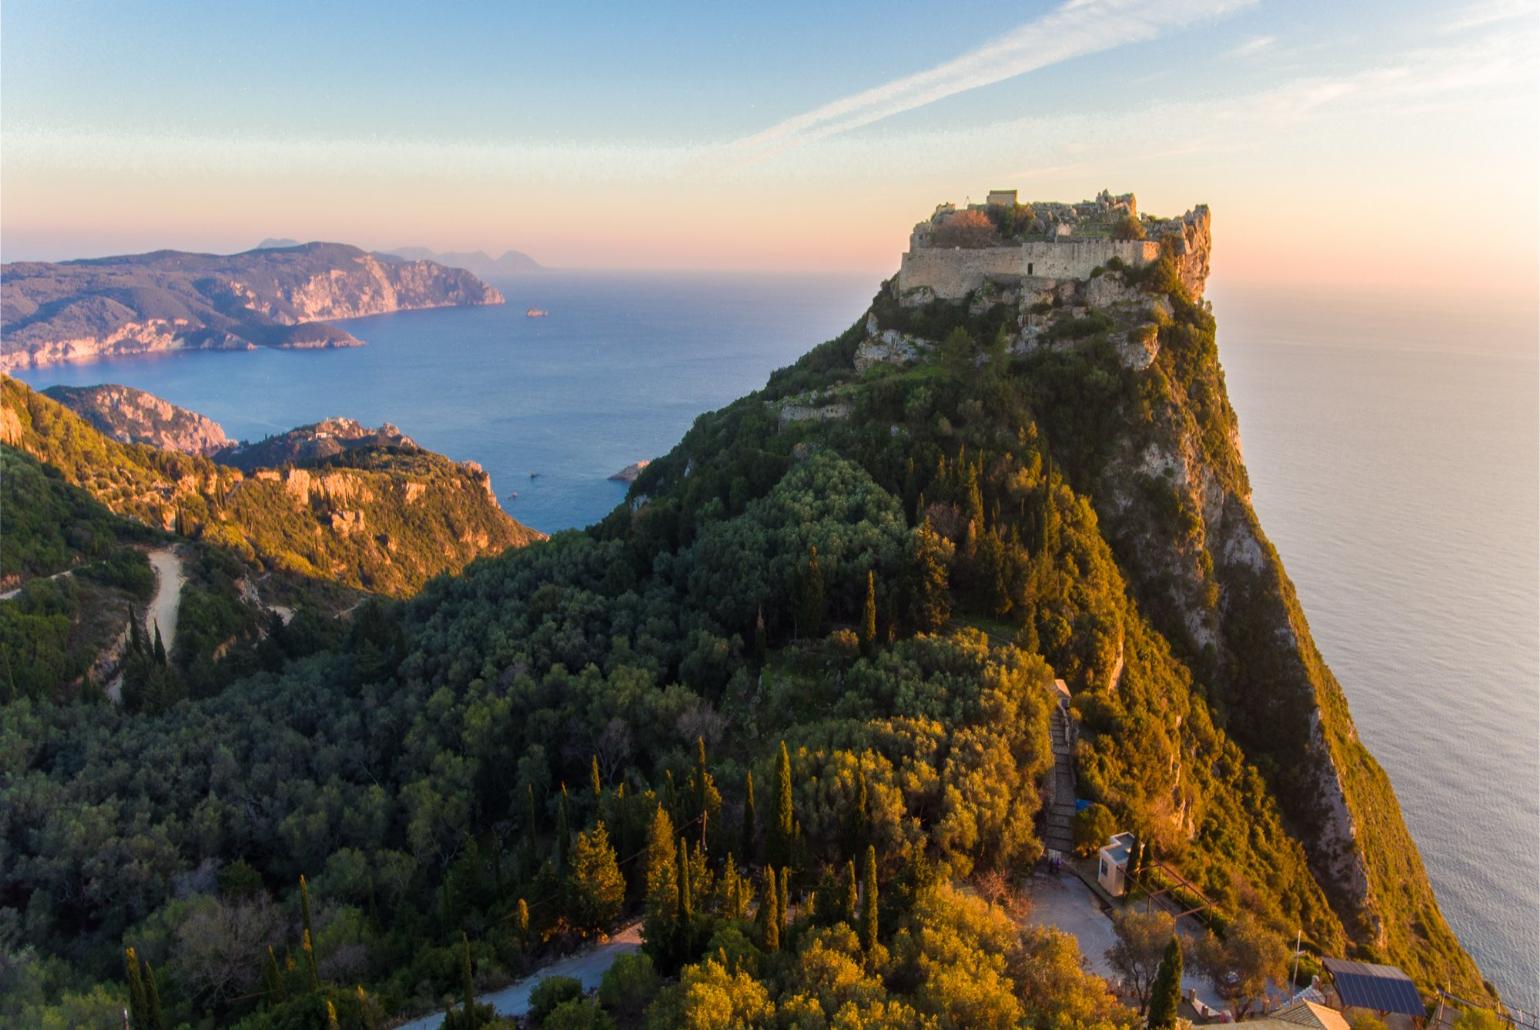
[{"x": 273, "y": 296}]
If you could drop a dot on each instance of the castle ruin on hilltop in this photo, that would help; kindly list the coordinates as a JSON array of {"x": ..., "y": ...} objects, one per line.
[{"x": 1004, "y": 242}]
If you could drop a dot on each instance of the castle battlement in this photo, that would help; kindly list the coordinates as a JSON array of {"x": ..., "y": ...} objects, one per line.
[{"x": 959, "y": 250}]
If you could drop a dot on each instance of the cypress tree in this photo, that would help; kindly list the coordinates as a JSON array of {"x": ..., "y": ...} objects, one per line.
[
  {"x": 869, "y": 903},
  {"x": 852, "y": 893},
  {"x": 531, "y": 830},
  {"x": 156, "y": 1019},
  {"x": 135, "y": 633},
  {"x": 730, "y": 888},
  {"x": 975, "y": 497},
  {"x": 468, "y": 982},
  {"x": 782, "y": 905},
  {"x": 810, "y": 599},
  {"x": 304, "y": 906},
  {"x": 160, "y": 647},
  {"x": 521, "y": 922},
  {"x": 595, "y": 781},
  {"x": 331, "y": 1016},
  {"x": 747, "y": 852},
  {"x": 782, "y": 837},
  {"x": 138, "y": 1004},
  {"x": 307, "y": 943},
  {"x": 869, "y": 614},
  {"x": 662, "y": 884},
  {"x": 700, "y": 786},
  {"x": 1166, "y": 995},
  {"x": 855, "y": 827},
  {"x": 761, "y": 638},
  {"x": 272, "y": 980},
  {"x": 562, "y": 830},
  {"x": 770, "y": 926},
  {"x": 684, "y": 910}
]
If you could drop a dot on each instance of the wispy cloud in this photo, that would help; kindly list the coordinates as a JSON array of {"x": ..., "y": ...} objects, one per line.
[
  {"x": 1076, "y": 28},
  {"x": 1489, "y": 12},
  {"x": 1253, "y": 46}
]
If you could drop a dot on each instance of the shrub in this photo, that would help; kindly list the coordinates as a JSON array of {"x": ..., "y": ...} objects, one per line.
[
  {"x": 1128, "y": 228},
  {"x": 1093, "y": 825},
  {"x": 966, "y": 229},
  {"x": 551, "y": 993},
  {"x": 580, "y": 1014},
  {"x": 630, "y": 984}
]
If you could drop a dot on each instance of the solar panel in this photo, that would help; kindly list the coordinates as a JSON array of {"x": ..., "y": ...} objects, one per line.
[{"x": 1363, "y": 985}]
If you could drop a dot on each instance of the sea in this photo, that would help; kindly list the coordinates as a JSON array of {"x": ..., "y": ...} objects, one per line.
[{"x": 1392, "y": 450}]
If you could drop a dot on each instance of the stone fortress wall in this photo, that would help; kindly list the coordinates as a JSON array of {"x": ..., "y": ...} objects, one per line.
[
  {"x": 1064, "y": 247},
  {"x": 954, "y": 272}
]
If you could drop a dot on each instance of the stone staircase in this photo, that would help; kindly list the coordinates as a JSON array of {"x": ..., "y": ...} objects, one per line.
[{"x": 1058, "y": 834}]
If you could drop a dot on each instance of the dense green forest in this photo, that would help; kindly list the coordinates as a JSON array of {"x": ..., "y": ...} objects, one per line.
[{"x": 789, "y": 704}]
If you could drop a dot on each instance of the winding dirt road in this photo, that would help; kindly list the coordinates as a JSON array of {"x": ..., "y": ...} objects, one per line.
[{"x": 163, "y": 609}]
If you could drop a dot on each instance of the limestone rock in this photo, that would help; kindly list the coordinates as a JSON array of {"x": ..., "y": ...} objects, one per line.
[
  {"x": 134, "y": 416},
  {"x": 631, "y": 471}
]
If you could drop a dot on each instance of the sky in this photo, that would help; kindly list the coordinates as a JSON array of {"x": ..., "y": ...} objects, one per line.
[{"x": 1393, "y": 143}]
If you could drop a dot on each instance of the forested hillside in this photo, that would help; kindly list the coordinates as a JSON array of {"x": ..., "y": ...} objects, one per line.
[
  {"x": 789, "y": 703},
  {"x": 384, "y": 520}
]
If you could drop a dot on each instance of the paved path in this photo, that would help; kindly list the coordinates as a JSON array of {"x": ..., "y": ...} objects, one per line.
[
  {"x": 1058, "y": 834},
  {"x": 587, "y": 968}
]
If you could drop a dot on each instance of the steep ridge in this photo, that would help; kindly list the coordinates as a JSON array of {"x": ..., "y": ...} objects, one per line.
[
  {"x": 172, "y": 300},
  {"x": 135, "y": 416},
  {"x": 383, "y": 520},
  {"x": 313, "y": 443},
  {"x": 1114, "y": 373},
  {"x": 128, "y": 415}
]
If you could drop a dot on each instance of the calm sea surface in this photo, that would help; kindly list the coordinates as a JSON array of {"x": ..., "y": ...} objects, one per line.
[{"x": 1392, "y": 453}]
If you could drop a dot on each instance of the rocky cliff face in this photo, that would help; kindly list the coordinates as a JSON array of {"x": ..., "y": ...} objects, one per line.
[
  {"x": 134, "y": 416},
  {"x": 1131, "y": 397},
  {"x": 170, "y": 300}
]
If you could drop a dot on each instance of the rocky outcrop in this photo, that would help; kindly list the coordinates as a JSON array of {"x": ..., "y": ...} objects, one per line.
[
  {"x": 316, "y": 442},
  {"x": 888, "y": 346},
  {"x": 631, "y": 471},
  {"x": 814, "y": 411},
  {"x": 171, "y": 300},
  {"x": 134, "y": 416},
  {"x": 1189, "y": 240}
]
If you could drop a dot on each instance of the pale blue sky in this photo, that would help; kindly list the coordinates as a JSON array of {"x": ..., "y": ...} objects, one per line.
[{"x": 714, "y": 134}]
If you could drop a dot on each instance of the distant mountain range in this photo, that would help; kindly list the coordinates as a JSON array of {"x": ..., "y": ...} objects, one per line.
[
  {"x": 173, "y": 300},
  {"x": 512, "y": 262}
]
